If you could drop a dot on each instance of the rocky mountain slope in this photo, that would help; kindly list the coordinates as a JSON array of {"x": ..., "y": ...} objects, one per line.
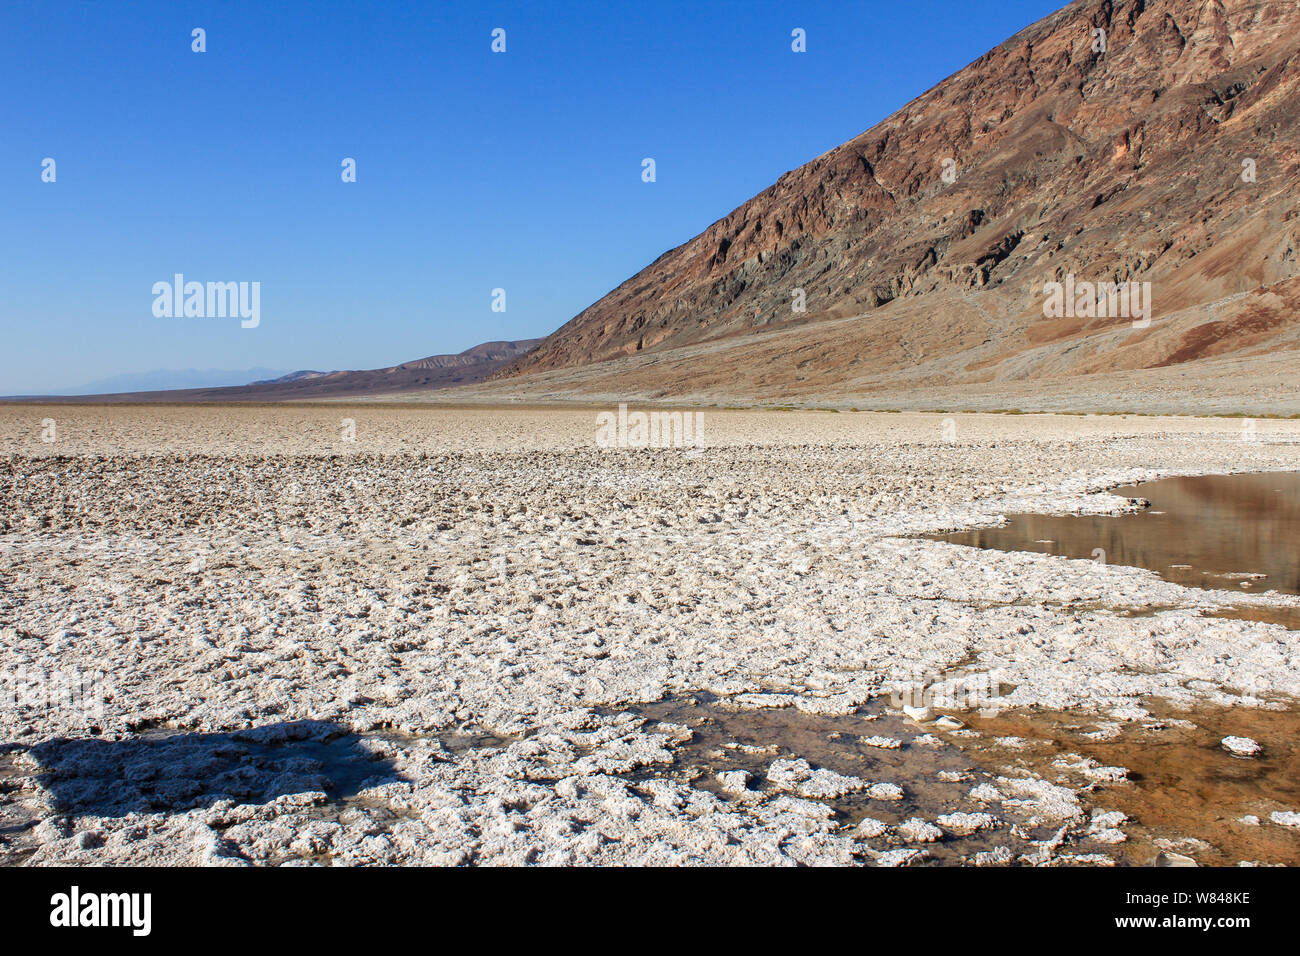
[{"x": 1170, "y": 154}]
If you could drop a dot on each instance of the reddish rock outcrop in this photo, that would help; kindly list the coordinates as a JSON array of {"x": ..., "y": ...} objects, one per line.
[{"x": 1119, "y": 165}]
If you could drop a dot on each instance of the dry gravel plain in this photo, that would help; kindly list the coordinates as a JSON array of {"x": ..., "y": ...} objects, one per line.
[{"x": 473, "y": 636}]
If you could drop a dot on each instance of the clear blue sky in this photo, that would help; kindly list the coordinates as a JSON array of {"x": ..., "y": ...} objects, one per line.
[{"x": 475, "y": 170}]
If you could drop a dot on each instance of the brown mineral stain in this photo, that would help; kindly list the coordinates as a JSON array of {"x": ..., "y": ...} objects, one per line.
[{"x": 1181, "y": 782}]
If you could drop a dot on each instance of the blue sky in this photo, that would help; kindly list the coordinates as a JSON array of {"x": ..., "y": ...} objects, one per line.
[{"x": 475, "y": 170}]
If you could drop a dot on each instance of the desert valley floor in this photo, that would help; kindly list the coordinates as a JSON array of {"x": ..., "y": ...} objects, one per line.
[{"x": 472, "y": 636}]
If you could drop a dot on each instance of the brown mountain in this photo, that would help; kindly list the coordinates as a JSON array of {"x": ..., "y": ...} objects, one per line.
[
  {"x": 434, "y": 372},
  {"x": 1127, "y": 163}
]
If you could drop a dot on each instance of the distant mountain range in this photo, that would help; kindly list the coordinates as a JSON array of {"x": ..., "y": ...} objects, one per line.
[
  {"x": 160, "y": 379},
  {"x": 290, "y": 377},
  {"x": 270, "y": 385}
]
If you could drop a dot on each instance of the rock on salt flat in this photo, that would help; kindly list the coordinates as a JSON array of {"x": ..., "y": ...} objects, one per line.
[
  {"x": 870, "y": 828},
  {"x": 966, "y": 822},
  {"x": 916, "y": 830},
  {"x": 1241, "y": 746},
  {"x": 1046, "y": 801},
  {"x": 735, "y": 781},
  {"x": 800, "y": 777},
  {"x": 901, "y": 857},
  {"x": 885, "y": 791}
]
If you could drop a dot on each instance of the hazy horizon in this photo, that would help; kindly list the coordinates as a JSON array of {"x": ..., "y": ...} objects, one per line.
[{"x": 163, "y": 379}]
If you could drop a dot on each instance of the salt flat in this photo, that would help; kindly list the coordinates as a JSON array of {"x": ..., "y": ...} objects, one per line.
[{"x": 442, "y": 642}]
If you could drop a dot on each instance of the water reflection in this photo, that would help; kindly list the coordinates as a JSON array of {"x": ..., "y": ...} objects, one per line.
[{"x": 1211, "y": 531}]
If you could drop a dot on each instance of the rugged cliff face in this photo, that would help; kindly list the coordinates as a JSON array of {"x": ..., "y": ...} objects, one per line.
[{"x": 1171, "y": 155}]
